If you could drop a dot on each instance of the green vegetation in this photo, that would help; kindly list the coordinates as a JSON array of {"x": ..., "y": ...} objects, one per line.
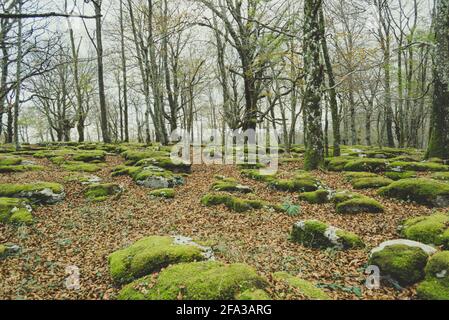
[
  {"x": 394, "y": 175},
  {"x": 306, "y": 288},
  {"x": 77, "y": 166},
  {"x": 166, "y": 193},
  {"x": 436, "y": 283},
  {"x": 20, "y": 168},
  {"x": 422, "y": 191},
  {"x": 102, "y": 191},
  {"x": 349, "y": 202},
  {"x": 374, "y": 182},
  {"x": 232, "y": 203},
  {"x": 195, "y": 281},
  {"x": 149, "y": 255},
  {"x": 404, "y": 264},
  {"x": 315, "y": 197},
  {"x": 358, "y": 175},
  {"x": 432, "y": 229},
  {"x": 13, "y": 210},
  {"x": 418, "y": 166},
  {"x": 257, "y": 175},
  {"x": 300, "y": 183},
  {"x": 90, "y": 156},
  {"x": 443, "y": 176},
  {"x": 369, "y": 165},
  {"x": 40, "y": 192}
]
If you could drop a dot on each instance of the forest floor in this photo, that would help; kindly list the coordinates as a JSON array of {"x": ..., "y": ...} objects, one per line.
[{"x": 82, "y": 233}]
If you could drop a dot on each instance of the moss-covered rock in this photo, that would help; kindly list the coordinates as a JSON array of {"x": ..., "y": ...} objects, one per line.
[
  {"x": 166, "y": 193},
  {"x": 230, "y": 185},
  {"x": 122, "y": 170},
  {"x": 10, "y": 161},
  {"x": 417, "y": 166},
  {"x": 373, "y": 182},
  {"x": 78, "y": 166},
  {"x": 350, "y": 176},
  {"x": 90, "y": 156},
  {"x": 195, "y": 281},
  {"x": 2, "y": 251},
  {"x": 350, "y": 202},
  {"x": 423, "y": 191},
  {"x": 394, "y": 175},
  {"x": 403, "y": 264},
  {"x": 436, "y": 283},
  {"x": 133, "y": 156},
  {"x": 306, "y": 288},
  {"x": 296, "y": 184},
  {"x": 337, "y": 163},
  {"x": 149, "y": 255},
  {"x": 315, "y": 197},
  {"x": 232, "y": 203},
  {"x": 359, "y": 205},
  {"x": 157, "y": 178},
  {"x": 257, "y": 175},
  {"x": 432, "y": 229},
  {"x": 40, "y": 192},
  {"x": 14, "y": 210},
  {"x": 443, "y": 176},
  {"x": 317, "y": 234},
  {"x": 369, "y": 165},
  {"x": 102, "y": 191},
  {"x": 20, "y": 168},
  {"x": 165, "y": 163}
]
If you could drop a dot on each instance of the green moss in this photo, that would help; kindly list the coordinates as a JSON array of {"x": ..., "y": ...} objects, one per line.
[
  {"x": 232, "y": 203},
  {"x": 436, "y": 284},
  {"x": 54, "y": 153},
  {"x": 337, "y": 163},
  {"x": 2, "y": 251},
  {"x": 297, "y": 184},
  {"x": 375, "y": 182},
  {"x": 432, "y": 229},
  {"x": 91, "y": 156},
  {"x": 59, "y": 160},
  {"x": 359, "y": 205},
  {"x": 230, "y": 185},
  {"x": 342, "y": 196},
  {"x": 163, "y": 193},
  {"x": 10, "y": 161},
  {"x": 13, "y": 210},
  {"x": 358, "y": 175},
  {"x": 317, "y": 234},
  {"x": 149, "y": 255},
  {"x": 393, "y": 175},
  {"x": 370, "y": 165},
  {"x": 306, "y": 288},
  {"x": 402, "y": 263},
  {"x": 76, "y": 166},
  {"x": 102, "y": 191},
  {"x": 165, "y": 163},
  {"x": 20, "y": 168},
  {"x": 133, "y": 156},
  {"x": 125, "y": 170},
  {"x": 257, "y": 175},
  {"x": 14, "y": 190},
  {"x": 253, "y": 294},
  {"x": 195, "y": 281},
  {"x": 443, "y": 176},
  {"x": 418, "y": 166},
  {"x": 422, "y": 191},
  {"x": 316, "y": 197}
]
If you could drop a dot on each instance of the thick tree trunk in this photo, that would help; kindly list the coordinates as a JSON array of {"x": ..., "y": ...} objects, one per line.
[
  {"x": 314, "y": 155},
  {"x": 439, "y": 137}
]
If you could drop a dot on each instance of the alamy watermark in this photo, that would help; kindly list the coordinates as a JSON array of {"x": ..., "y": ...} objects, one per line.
[{"x": 229, "y": 147}]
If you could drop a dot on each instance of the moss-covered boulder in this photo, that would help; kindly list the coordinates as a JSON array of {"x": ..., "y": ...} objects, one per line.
[
  {"x": 395, "y": 175},
  {"x": 14, "y": 210},
  {"x": 372, "y": 182},
  {"x": 232, "y": 203},
  {"x": 90, "y": 156},
  {"x": 122, "y": 170},
  {"x": 20, "y": 168},
  {"x": 149, "y": 255},
  {"x": 78, "y": 166},
  {"x": 306, "y": 288},
  {"x": 337, "y": 163},
  {"x": 315, "y": 197},
  {"x": 423, "y": 191},
  {"x": 300, "y": 183},
  {"x": 133, "y": 156},
  {"x": 436, "y": 283},
  {"x": 166, "y": 193},
  {"x": 10, "y": 161},
  {"x": 165, "y": 163},
  {"x": 257, "y": 175},
  {"x": 350, "y": 176},
  {"x": 102, "y": 191},
  {"x": 157, "y": 178},
  {"x": 433, "y": 229},
  {"x": 366, "y": 165},
  {"x": 253, "y": 294},
  {"x": 317, "y": 234},
  {"x": 40, "y": 192},
  {"x": 351, "y": 203},
  {"x": 402, "y": 263},
  {"x": 417, "y": 166},
  {"x": 230, "y": 185},
  {"x": 209, "y": 280},
  {"x": 443, "y": 176}
]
